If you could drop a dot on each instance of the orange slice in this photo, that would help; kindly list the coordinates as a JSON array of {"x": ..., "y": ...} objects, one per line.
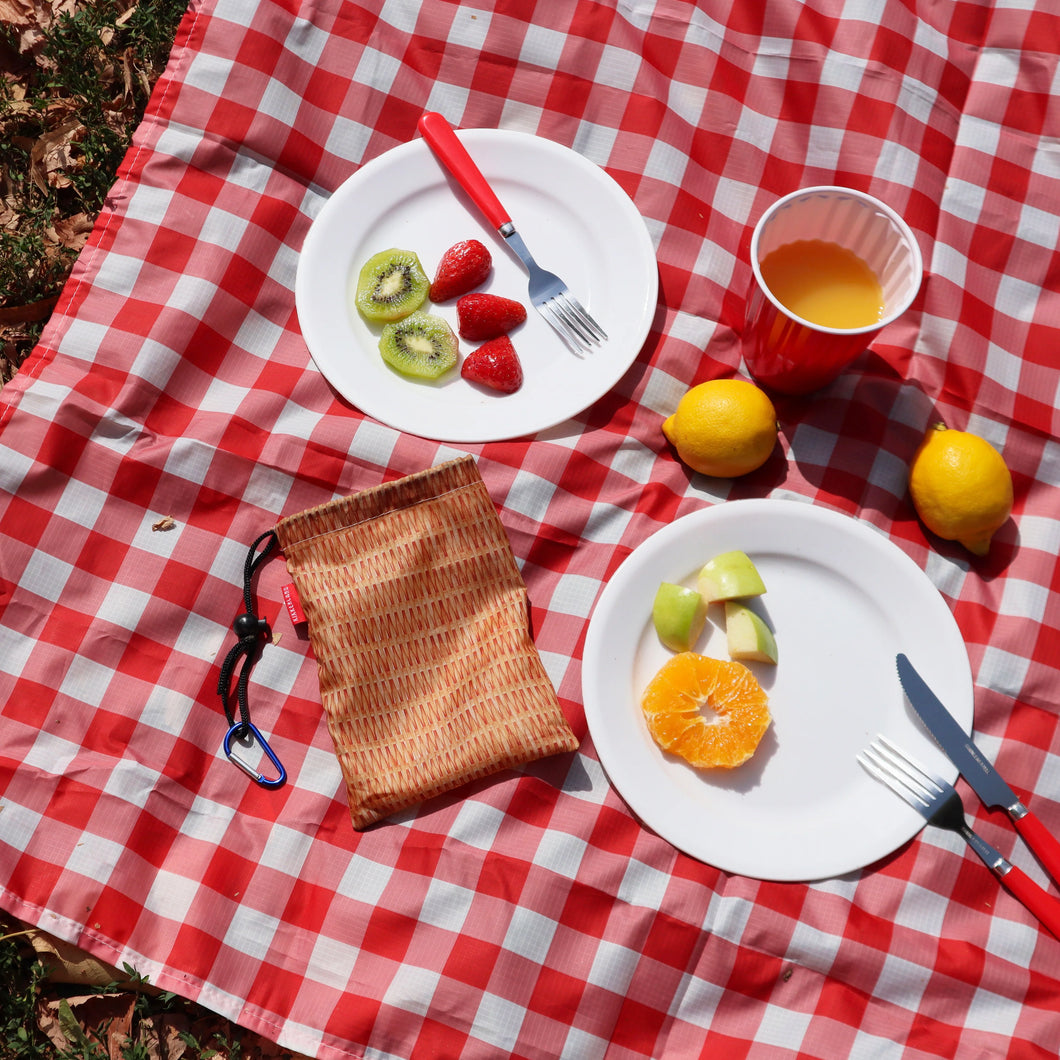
[{"x": 711, "y": 712}]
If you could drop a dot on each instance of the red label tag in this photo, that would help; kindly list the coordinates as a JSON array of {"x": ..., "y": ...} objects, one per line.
[{"x": 294, "y": 605}]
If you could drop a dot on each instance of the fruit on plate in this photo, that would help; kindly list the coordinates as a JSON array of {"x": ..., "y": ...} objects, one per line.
[
  {"x": 723, "y": 427},
  {"x": 678, "y": 614},
  {"x": 748, "y": 638},
  {"x": 390, "y": 285},
  {"x": 420, "y": 345},
  {"x": 711, "y": 712},
  {"x": 482, "y": 316},
  {"x": 961, "y": 487},
  {"x": 728, "y": 576},
  {"x": 495, "y": 364},
  {"x": 463, "y": 267}
]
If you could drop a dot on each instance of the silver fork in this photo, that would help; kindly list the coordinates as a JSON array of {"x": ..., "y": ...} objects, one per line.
[
  {"x": 548, "y": 293},
  {"x": 939, "y": 804}
]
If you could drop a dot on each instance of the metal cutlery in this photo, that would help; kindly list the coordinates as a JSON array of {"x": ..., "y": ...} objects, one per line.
[
  {"x": 548, "y": 293},
  {"x": 975, "y": 768},
  {"x": 939, "y": 804}
]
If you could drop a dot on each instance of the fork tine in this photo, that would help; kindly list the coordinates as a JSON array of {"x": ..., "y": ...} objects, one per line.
[
  {"x": 563, "y": 312},
  {"x": 574, "y": 319},
  {"x": 930, "y": 783},
  {"x": 902, "y": 774},
  {"x": 897, "y": 770},
  {"x": 580, "y": 314},
  {"x": 559, "y": 323},
  {"x": 871, "y": 760}
]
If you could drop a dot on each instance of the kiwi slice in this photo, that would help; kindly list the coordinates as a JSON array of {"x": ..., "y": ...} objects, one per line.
[
  {"x": 421, "y": 345},
  {"x": 391, "y": 284}
]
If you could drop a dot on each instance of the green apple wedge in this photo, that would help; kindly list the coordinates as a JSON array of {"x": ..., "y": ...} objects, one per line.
[
  {"x": 748, "y": 637},
  {"x": 679, "y": 614},
  {"x": 729, "y": 576}
]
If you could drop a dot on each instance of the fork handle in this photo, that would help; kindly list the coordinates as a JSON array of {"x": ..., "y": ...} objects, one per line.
[
  {"x": 453, "y": 155},
  {"x": 1041, "y": 841},
  {"x": 1042, "y": 904}
]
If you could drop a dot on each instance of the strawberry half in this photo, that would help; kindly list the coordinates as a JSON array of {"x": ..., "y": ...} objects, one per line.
[
  {"x": 463, "y": 266},
  {"x": 494, "y": 364},
  {"x": 485, "y": 316}
]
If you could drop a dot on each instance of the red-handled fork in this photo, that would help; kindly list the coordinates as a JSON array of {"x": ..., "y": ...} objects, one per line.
[
  {"x": 939, "y": 803},
  {"x": 548, "y": 293}
]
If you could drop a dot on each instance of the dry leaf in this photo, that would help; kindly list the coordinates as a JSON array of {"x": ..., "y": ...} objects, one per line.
[
  {"x": 31, "y": 17},
  {"x": 13, "y": 86},
  {"x": 162, "y": 1037},
  {"x": 72, "y": 232},
  {"x": 18, "y": 13},
  {"x": 52, "y": 152},
  {"x": 65, "y": 963},
  {"x": 75, "y": 1024}
]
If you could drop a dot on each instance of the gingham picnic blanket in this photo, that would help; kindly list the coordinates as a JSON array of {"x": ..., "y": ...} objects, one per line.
[{"x": 529, "y": 914}]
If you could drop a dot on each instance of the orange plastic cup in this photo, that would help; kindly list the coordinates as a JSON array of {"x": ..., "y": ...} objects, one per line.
[{"x": 789, "y": 354}]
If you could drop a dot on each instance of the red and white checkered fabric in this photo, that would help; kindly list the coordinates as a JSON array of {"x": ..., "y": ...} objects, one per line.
[{"x": 531, "y": 915}]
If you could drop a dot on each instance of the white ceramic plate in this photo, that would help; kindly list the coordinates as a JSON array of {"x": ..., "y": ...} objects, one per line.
[
  {"x": 577, "y": 222},
  {"x": 843, "y": 600}
]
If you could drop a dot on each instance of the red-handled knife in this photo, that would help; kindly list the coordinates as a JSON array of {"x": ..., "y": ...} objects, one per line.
[{"x": 975, "y": 768}]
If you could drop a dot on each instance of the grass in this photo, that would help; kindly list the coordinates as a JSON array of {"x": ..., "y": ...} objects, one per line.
[
  {"x": 73, "y": 88},
  {"x": 19, "y": 979}
]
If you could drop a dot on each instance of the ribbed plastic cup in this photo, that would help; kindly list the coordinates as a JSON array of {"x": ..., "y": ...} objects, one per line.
[{"x": 791, "y": 355}]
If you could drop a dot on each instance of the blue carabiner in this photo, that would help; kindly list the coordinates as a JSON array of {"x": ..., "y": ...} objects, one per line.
[{"x": 250, "y": 771}]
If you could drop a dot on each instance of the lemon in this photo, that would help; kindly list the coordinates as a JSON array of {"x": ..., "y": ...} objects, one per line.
[
  {"x": 724, "y": 427},
  {"x": 961, "y": 487}
]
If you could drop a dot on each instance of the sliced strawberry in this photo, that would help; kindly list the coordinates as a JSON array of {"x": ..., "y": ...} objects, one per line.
[
  {"x": 494, "y": 364},
  {"x": 463, "y": 267},
  {"x": 485, "y": 316}
]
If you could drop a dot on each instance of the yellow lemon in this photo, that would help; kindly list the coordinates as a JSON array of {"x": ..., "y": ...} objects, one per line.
[
  {"x": 724, "y": 427},
  {"x": 961, "y": 487}
]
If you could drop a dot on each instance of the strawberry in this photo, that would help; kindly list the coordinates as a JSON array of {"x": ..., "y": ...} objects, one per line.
[
  {"x": 463, "y": 266},
  {"x": 485, "y": 316},
  {"x": 494, "y": 364}
]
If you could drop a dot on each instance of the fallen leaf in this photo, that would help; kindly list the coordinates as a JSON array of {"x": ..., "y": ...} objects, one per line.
[
  {"x": 18, "y": 13},
  {"x": 72, "y": 232},
  {"x": 32, "y": 17},
  {"x": 66, "y": 963},
  {"x": 51, "y": 152},
  {"x": 10, "y": 66},
  {"x": 75, "y": 1024},
  {"x": 162, "y": 1036}
]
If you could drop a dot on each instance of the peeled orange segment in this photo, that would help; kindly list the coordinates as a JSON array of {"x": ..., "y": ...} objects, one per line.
[{"x": 711, "y": 712}]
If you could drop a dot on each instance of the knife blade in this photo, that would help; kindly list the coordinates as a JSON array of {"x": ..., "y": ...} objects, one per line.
[{"x": 984, "y": 779}]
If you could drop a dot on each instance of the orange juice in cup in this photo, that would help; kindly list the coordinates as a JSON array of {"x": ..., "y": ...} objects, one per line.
[
  {"x": 825, "y": 284},
  {"x": 831, "y": 267}
]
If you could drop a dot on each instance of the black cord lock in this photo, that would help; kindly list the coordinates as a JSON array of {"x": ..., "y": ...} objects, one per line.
[{"x": 250, "y": 627}]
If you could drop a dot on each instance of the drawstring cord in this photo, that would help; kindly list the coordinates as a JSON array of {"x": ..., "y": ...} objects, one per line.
[{"x": 252, "y": 632}]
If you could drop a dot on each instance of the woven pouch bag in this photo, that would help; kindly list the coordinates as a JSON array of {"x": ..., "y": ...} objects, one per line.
[{"x": 418, "y": 618}]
